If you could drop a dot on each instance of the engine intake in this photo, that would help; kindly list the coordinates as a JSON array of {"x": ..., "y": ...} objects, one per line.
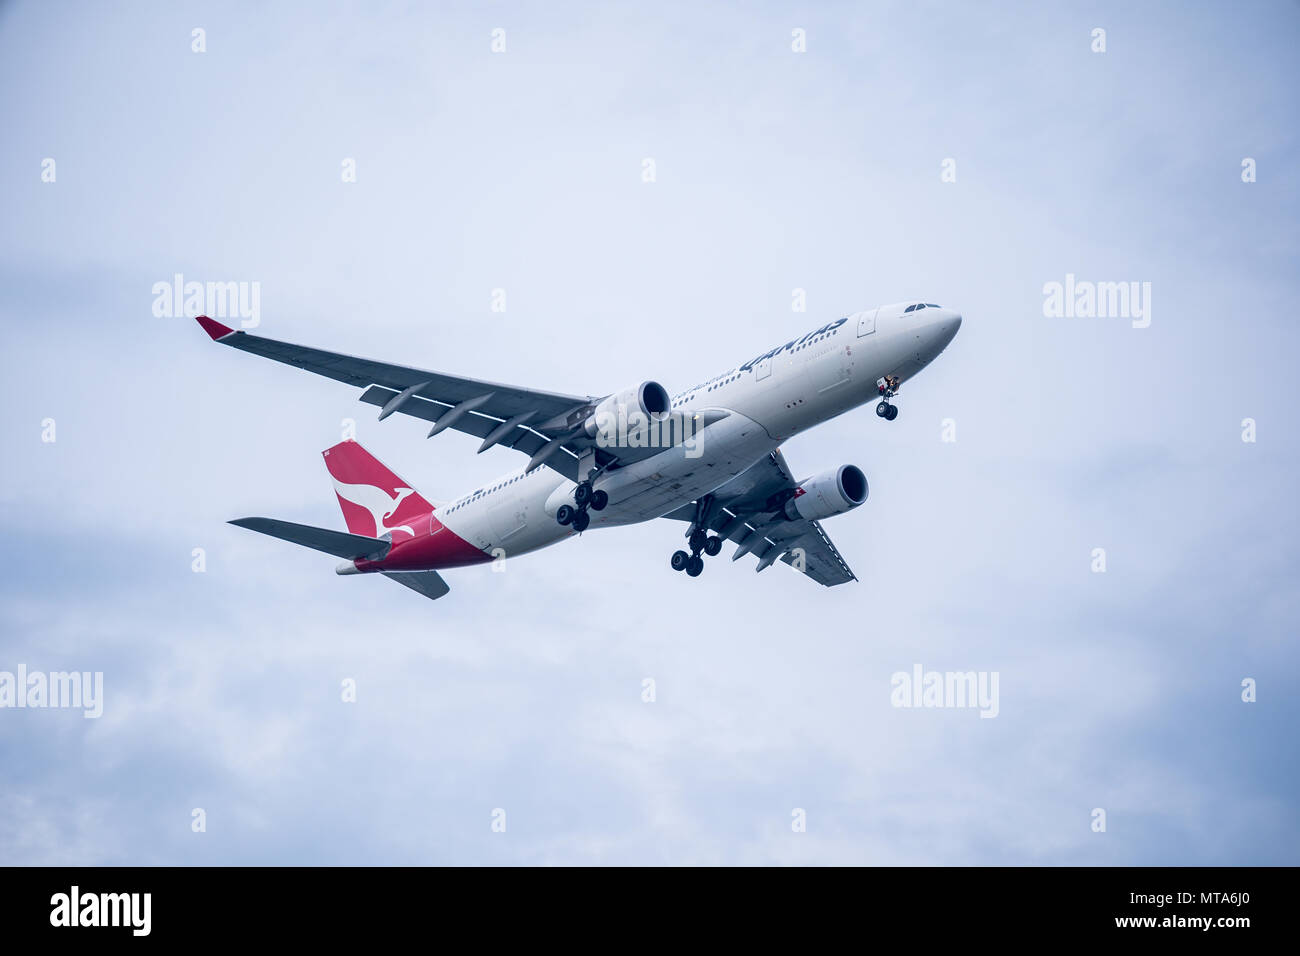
[
  {"x": 649, "y": 399},
  {"x": 830, "y": 493}
]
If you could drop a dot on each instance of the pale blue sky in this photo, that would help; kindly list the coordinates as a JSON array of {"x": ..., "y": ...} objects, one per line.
[{"x": 775, "y": 171}]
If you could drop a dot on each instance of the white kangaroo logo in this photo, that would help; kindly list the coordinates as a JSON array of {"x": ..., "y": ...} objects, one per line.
[{"x": 378, "y": 502}]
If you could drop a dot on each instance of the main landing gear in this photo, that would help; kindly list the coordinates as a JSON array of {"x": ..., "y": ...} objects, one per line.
[
  {"x": 699, "y": 540},
  {"x": 888, "y": 388},
  {"x": 584, "y": 497}
]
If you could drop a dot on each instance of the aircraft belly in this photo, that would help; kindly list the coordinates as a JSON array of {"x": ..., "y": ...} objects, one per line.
[{"x": 658, "y": 485}]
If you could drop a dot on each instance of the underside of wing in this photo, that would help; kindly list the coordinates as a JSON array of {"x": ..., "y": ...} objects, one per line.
[
  {"x": 543, "y": 425},
  {"x": 748, "y": 510}
]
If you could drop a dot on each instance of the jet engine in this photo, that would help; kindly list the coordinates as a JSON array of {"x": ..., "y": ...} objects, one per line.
[
  {"x": 830, "y": 493},
  {"x": 649, "y": 399}
]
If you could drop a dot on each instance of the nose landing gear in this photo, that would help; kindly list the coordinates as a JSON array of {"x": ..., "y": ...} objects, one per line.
[{"x": 888, "y": 387}]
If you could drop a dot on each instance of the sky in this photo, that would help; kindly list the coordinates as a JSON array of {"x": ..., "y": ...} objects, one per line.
[{"x": 841, "y": 154}]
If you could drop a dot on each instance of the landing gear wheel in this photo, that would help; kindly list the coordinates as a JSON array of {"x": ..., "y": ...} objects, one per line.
[
  {"x": 699, "y": 538},
  {"x": 883, "y": 409},
  {"x": 680, "y": 560},
  {"x": 582, "y": 494},
  {"x": 891, "y": 413},
  {"x": 713, "y": 546},
  {"x": 566, "y": 514},
  {"x": 694, "y": 566},
  {"x": 580, "y": 521},
  {"x": 598, "y": 500}
]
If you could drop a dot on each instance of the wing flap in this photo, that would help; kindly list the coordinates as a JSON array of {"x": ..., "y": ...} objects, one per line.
[
  {"x": 820, "y": 559},
  {"x": 475, "y": 423}
]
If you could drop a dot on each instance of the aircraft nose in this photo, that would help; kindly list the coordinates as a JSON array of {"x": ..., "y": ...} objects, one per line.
[{"x": 946, "y": 327}]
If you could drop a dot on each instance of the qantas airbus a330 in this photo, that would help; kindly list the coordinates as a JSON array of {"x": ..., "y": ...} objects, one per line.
[{"x": 708, "y": 456}]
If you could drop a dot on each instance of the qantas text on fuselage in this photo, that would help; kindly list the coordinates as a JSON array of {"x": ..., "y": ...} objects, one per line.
[{"x": 603, "y": 462}]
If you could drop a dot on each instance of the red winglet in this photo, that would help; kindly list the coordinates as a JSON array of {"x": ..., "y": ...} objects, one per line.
[{"x": 214, "y": 328}]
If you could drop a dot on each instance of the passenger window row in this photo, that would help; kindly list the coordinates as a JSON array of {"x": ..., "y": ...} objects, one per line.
[{"x": 484, "y": 491}]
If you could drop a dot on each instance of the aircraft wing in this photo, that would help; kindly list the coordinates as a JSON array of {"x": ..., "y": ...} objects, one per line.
[
  {"x": 534, "y": 422},
  {"x": 747, "y": 510}
]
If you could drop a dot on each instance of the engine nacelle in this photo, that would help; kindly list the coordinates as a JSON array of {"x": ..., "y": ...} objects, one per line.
[
  {"x": 830, "y": 493},
  {"x": 649, "y": 399}
]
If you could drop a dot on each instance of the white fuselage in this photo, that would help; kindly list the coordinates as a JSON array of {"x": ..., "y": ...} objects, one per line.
[{"x": 786, "y": 391}]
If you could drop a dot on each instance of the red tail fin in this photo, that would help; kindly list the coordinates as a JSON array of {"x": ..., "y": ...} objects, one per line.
[{"x": 374, "y": 500}]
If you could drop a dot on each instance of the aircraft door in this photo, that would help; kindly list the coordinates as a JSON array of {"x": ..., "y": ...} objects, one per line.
[
  {"x": 509, "y": 516},
  {"x": 867, "y": 322},
  {"x": 763, "y": 369}
]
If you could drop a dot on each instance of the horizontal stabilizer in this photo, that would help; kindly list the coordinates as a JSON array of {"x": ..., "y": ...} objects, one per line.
[
  {"x": 428, "y": 583},
  {"x": 337, "y": 543}
]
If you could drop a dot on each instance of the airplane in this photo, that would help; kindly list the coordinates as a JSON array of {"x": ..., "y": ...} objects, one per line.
[{"x": 709, "y": 456}]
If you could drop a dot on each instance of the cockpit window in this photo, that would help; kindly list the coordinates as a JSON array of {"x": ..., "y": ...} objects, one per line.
[
  {"x": 931, "y": 305},
  {"x": 909, "y": 309}
]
